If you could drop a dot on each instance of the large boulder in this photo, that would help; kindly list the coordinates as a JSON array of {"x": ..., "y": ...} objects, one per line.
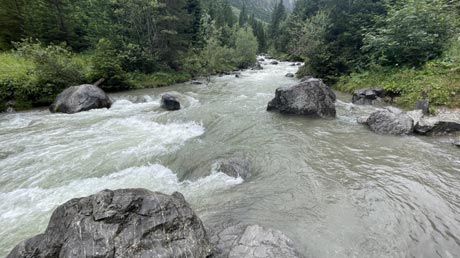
[
  {"x": 391, "y": 121},
  {"x": 311, "y": 97},
  {"x": 438, "y": 125},
  {"x": 253, "y": 241},
  {"x": 80, "y": 98},
  {"x": 170, "y": 102},
  {"x": 367, "y": 96},
  {"x": 133, "y": 223},
  {"x": 238, "y": 165}
]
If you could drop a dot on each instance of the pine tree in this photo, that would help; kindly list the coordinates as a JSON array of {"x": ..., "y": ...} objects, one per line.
[{"x": 243, "y": 19}]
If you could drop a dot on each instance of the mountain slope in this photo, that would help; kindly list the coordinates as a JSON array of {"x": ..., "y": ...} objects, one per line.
[{"x": 261, "y": 8}]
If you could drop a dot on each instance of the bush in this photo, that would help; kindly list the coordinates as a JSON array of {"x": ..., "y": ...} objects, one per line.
[
  {"x": 107, "y": 65},
  {"x": 245, "y": 48},
  {"x": 439, "y": 80},
  {"x": 412, "y": 33},
  {"x": 54, "y": 69}
]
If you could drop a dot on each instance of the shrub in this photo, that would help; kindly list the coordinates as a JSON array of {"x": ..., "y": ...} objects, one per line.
[
  {"x": 54, "y": 69},
  {"x": 107, "y": 65},
  {"x": 413, "y": 32}
]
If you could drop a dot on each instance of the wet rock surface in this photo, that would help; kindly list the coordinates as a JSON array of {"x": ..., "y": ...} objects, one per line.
[
  {"x": 170, "y": 102},
  {"x": 391, "y": 121},
  {"x": 133, "y": 223},
  {"x": 311, "y": 97},
  {"x": 367, "y": 96},
  {"x": 253, "y": 241},
  {"x": 80, "y": 98},
  {"x": 237, "y": 165}
]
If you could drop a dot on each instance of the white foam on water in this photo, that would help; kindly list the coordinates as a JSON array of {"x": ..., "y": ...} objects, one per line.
[
  {"x": 27, "y": 207},
  {"x": 17, "y": 203}
]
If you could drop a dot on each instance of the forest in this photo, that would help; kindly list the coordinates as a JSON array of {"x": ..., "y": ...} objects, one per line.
[{"x": 411, "y": 47}]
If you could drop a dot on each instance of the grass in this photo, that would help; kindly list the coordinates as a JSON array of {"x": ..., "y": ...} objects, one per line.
[{"x": 439, "y": 80}]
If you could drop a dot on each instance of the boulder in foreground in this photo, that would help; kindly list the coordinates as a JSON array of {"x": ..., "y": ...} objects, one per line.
[
  {"x": 391, "y": 121},
  {"x": 253, "y": 241},
  {"x": 170, "y": 102},
  {"x": 311, "y": 97},
  {"x": 80, "y": 98},
  {"x": 133, "y": 223}
]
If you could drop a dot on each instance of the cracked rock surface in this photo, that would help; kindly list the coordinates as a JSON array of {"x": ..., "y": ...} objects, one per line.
[{"x": 134, "y": 223}]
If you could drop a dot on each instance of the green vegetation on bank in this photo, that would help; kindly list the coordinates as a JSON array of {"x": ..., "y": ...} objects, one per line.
[
  {"x": 404, "y": 46},
  {"x": 50, "y": 45}
]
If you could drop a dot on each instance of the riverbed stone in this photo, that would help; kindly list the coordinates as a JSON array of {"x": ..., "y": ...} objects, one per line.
[
  {"x": 80, "y": 98},
  {"x": 311, "y": 97},
  {"x": 290, "y": 75},
  {"x": 367, "y": 96},
  {"x": 134, "y": 223},
  {"x": 170, "y": 102},
  {"x": 237, "y": 165},
  {"x": 253, "y": 241},
  {"x": 390, "y": 121},
  {"x": 422, "y": 104},
  {"x": 437, "y": 125},
  {"x": 274, "y": 62}
]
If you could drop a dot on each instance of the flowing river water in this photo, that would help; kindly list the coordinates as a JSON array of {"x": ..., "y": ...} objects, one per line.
[{"x": 335, "y": 188}]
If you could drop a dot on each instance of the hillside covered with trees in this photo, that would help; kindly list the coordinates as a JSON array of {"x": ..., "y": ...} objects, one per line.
[
  {"x": 410, "y": 47},
  {"x": 49, "y": 45}
]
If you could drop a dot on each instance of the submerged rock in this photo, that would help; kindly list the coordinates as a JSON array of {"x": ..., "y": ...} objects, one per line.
[
  {"x": 274, "y": 62},
  {"x": 367, "y": 96},
  {"x": 457, "y": 142},
  {"x": 80, "y": 98},
  {"x": 311, "y": 97},
  {"x": 238, "y": 165},
  {"x": 437, "y": 126},
  {"x": 253, "y": 241},
  {"x": 390, "y": 121},
  {"x": 133, "y": 223},
  {"x": 196, "y": 82},
  {"x": 257, "y": 66},
  {"x": 290, "y": 75},
  {"x": 170, "y": 102},
  {"x": 261, "y": 60}
]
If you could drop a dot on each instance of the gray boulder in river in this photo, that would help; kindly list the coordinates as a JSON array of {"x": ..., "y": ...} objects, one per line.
[
  {"x": 170, "y": 102},
  {"x": 391, "y": 121},
  {"x": 367, "y": 96},
  {"x": 253, "y": 241},
  {"x": 238, "y": 165},
  {"x": 441, "y": 124},
  {"x": 311, "y": 97},
  {"x": 80, "y": 98},
  {"x": 134, "y": 223}
]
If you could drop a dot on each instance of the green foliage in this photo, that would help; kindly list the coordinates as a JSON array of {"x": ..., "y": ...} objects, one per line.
[
  {"x": 439, "y": 79},
  {"x": 413, "y": 32},
  {"x": 245, "y": 48},
  {"x": 34, "y": 75},
  {"x": 54, "y": 70},
  {"x": 157, "y": 79},
  {"x": 107, "y": 65}
]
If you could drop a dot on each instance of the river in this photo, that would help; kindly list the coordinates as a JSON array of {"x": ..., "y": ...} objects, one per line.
[{"x": 335, "y": 188}]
